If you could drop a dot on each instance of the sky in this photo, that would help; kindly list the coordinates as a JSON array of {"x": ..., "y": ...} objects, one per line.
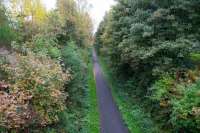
[
  {"x": 97, "y": 11},
  {"x": 50, "y": 4}
]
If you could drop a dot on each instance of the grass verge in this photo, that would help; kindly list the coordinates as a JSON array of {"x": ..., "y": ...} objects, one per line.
[{"x": 93, "y": 115}]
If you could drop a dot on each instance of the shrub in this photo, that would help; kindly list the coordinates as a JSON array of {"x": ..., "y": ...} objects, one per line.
[
  {"x": 41, "y": 45},
  {"x": 35, "y": 94},
  {"x": 195, "y": 58},
  {"x": 45, "y": 45},
  {"x": 161, "y": 89},
  {"x": 178, "y": 102},
  {"x": 74, "y": 118},
  {"x": 186, "y": 111},
  {"x": 72, "y": 59}
]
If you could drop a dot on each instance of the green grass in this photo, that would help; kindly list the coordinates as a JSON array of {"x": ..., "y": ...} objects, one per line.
[
  {"x": 133, "y": 115},
  {"x": 93, "y": 115}
]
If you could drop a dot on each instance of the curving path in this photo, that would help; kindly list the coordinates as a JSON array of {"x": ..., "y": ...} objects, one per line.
[{"x": 110, "y": 118}]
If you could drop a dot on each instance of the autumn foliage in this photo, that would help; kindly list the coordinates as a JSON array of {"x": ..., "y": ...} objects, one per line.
[{"x": 34, "y": 92}]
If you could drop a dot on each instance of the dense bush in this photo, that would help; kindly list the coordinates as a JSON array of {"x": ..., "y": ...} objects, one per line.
[
  {"x": 151, "y": 46},
  {"x": 35, "y": 93},
  {"x": 72, "y": 59},
  {"x": 77, "y": 88},
  {"x": 178, "y": 101},
  {"x": 186, "y": 111},
  {"x": 43, "y": 44}
]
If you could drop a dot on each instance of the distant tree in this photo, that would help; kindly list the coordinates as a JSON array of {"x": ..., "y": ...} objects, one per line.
[
  {"x": 2, "y": 14},
  {"x": 30, "y": 14},
  {"x": 76, "y": 21}
]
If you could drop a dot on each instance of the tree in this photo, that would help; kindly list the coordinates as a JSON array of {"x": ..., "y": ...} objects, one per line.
[
  {"x": 30, "y": 14},
  {"x": 3, "y": 18},
  {"x": 6, "y": 32},
  {"x": 76, "y": 22}
]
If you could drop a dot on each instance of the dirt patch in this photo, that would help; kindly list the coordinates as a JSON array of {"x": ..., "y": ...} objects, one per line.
[{"x": 10, "y": 57}]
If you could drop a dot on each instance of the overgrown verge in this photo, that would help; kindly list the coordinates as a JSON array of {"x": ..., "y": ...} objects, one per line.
[{"x": 93, "y": 112}]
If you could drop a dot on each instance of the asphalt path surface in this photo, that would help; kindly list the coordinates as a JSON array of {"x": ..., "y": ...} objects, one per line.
[{"x": 110, "y": 117}]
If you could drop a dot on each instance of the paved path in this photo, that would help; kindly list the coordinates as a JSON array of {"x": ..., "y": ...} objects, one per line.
[{"x": 111, "y": 120}]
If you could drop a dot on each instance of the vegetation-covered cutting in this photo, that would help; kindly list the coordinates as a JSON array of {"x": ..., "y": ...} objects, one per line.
[
  {"x": 44, "y": 67},
  {"x": 153, "y": 48}
]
